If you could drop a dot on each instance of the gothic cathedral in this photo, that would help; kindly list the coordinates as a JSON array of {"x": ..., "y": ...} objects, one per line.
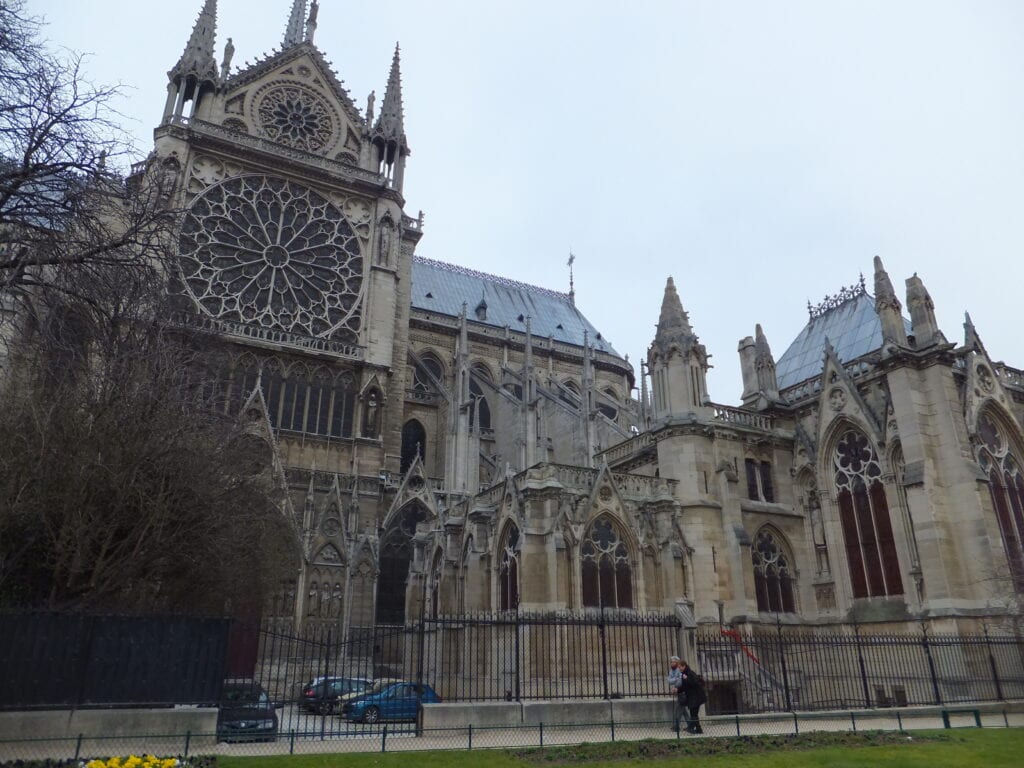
[{"x": 456, "y": 441}]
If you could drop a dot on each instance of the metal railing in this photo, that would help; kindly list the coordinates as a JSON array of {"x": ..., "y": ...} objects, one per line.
[{"x": 793, "y": 668}]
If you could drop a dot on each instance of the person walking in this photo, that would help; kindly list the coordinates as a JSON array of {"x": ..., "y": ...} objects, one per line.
[
  {"x": 692, "y": 686},
  {"x": 675, "y": 682}
]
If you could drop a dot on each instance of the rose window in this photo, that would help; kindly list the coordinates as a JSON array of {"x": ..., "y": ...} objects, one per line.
[
  {"x": 274, "y": 253},
  {"x": 297, "y": 117}
]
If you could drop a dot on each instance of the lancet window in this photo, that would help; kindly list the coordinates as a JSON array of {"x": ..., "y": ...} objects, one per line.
[
  {"x": 508, "y": 569},
  {"x": 759, "y": 480},
  {"x": 773, "y": 573},
  {"x": 607, "y": 573},
  {"x": 864, "y": 515},
  {"x": 1006, "y": 484}
]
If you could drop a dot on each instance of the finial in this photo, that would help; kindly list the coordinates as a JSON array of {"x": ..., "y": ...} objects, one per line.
[{"x": 572, "y": 287}]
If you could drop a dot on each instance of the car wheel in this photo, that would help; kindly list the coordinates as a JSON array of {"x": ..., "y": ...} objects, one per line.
[
  {"x": 325, "y": 708},
  {"x": 371, "y": 715}
]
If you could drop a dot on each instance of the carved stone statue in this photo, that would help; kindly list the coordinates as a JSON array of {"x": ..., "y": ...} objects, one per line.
[
  {"x": 384, "y": 254},
  {"x": 229, "y": 52},
  {"x": 369, "y": 107},
  {"x": 371, "y": 415}
]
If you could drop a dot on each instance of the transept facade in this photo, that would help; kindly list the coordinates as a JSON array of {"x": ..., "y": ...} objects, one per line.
[{"x": 455, "y": 441}]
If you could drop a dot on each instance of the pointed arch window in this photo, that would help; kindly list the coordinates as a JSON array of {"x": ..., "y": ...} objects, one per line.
[
  {"x": 773, "y": 573},
  {"x": 480, "y": 413},
  {"x": 395, "y": 556},
  {"x": 414, "y": 443},
  {"x": 431, "y": 369},
  {"x": 508, "y": 569},
  {"x": 607, "y": 574},
  {"x": 1006, "y": 485},
  {"x": 864, "y": 515}
]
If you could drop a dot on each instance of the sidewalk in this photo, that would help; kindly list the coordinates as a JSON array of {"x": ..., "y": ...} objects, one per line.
[{"x": 401, "y": 736}]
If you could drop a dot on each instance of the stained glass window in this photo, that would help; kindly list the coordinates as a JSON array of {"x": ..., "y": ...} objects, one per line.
[
  {"x": 508, "y": 569},
  {"x": 1006, "y": 485},
  {"x": 864, "y": 515},
  {"x": 607, "y": 575},
  {"x": 273, "y": 253},
  {"x": 773, "y": 573}
]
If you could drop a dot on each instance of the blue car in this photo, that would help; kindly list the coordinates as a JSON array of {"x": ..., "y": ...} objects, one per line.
[{"x": 397, "y": 701}]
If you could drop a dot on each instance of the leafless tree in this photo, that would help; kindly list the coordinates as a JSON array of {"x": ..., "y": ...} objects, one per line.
[
  {"x": 63, "y": 199},
  {"x": 124, "y": 483}
]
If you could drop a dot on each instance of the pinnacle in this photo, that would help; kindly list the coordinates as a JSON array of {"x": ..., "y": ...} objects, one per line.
[
  {"x": 294, "y": 33},
  {"x": 390, "y": 124},
  {"x": 673, "y": 320},
  {"x": 883, "y": 285},
  {"x": 197, "y": 58}
]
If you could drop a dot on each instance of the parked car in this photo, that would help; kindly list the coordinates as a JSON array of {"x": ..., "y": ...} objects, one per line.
[
  {"x": 393, "y": 701},
  {"x": 246, "y": 713},
  {"x": 321, "y": 694}
]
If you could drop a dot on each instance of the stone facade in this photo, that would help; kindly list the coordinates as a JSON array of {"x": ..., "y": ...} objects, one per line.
[{"x": 456, "y": 441}]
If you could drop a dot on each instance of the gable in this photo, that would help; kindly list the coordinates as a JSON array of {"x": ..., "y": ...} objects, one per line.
[{"x": 293, "y": 99}]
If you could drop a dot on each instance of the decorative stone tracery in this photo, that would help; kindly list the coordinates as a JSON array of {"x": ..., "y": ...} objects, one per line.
[
  {"x": 263, "y": 250},
  {"x": 296, "y": 116}
]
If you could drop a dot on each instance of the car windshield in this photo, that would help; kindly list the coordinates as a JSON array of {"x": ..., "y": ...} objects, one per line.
[{"x": 240, "y": 697}]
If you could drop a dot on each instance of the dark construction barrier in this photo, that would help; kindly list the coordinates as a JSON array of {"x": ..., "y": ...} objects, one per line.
[{"x": 74, "y": 660}]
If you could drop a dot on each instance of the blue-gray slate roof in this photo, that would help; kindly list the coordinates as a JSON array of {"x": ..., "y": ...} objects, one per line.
[
  {"x": 853, "y": 328},
  {"x": 444, "y": 288}
]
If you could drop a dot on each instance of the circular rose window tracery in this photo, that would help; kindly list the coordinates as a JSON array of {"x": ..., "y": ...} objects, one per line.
[
  {"x": 268, "y": 251},
  {"x": 295, "y": 116}
]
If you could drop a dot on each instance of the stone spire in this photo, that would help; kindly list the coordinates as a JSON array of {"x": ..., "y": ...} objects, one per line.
[
  {"x": 388, "y": 134},
  {"x": 293, "y": 34},
  {"x": 922, "y": 314},
  {"x": 888, "y": 307},
  {"x": 674, "y": 322},
  {"x": 197, "y": 61},
  {"x": 677, "y": 361},
  {"x": 764, "y": 363},
  {"x": 391, "y": 124}
]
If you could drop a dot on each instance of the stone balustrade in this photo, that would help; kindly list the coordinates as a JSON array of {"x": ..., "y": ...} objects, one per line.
[{"x": 741, "y": 418}]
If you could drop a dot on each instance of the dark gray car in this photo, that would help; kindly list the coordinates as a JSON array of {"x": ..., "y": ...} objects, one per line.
[{"x": 246, "y": 713}]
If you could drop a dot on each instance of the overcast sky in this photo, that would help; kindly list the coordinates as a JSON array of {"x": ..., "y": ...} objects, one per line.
[{"x": 759, "y": 152}]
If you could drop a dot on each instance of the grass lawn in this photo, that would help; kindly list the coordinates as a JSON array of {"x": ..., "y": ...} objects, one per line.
[{"x": 966, "y": 748}]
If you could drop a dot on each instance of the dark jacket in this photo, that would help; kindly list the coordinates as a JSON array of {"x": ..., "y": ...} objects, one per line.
[{"x": 693, "y": 687}]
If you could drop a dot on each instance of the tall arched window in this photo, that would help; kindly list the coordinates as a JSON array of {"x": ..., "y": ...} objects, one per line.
[
  {"x": 414, "y": 443},
  {"x": 773, "y": 573},
  {"x": 480, "y": 407},
  {"x": 395, "y": 556},
  {"x": 508, "y": 569},
  {"x": 607, "y": 576},
  {"x": 864, "y": 514},
  {"x": 1006, "y": 484}
]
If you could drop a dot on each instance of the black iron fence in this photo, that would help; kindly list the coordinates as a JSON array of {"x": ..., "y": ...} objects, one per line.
[
  {"x": 789, "y": 668},
  {"x": 72, "y": 660}
]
